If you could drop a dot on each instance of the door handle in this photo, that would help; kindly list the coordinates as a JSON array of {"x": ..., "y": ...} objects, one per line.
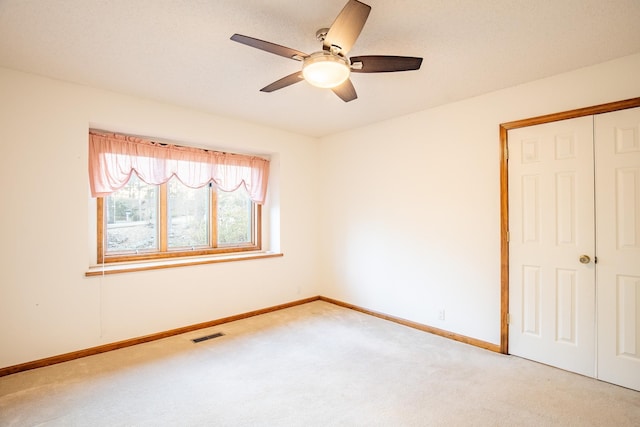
[{"x": 585, "y": 259}]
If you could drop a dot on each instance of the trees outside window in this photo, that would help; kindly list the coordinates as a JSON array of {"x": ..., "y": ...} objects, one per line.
[{"x": 142, "y": 221}]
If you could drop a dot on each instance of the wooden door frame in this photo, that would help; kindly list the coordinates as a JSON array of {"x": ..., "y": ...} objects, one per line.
[{"x": 504, "y": 194}]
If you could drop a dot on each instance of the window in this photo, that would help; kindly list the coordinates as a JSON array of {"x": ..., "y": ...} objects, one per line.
[
  {"x": 154, "y": 202},
  {"x": 142, "y": 221}
]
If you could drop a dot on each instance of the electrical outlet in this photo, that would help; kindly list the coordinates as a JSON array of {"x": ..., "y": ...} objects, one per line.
[{"x": 441, "y": 314}]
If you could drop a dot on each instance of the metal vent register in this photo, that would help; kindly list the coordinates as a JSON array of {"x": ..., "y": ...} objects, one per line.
[{"x": 207, "y": 337}]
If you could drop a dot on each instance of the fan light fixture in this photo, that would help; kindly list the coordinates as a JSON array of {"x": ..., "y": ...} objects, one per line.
[
  {"x": 330, "y": 67},
  {"x": 325, "y": 70}
]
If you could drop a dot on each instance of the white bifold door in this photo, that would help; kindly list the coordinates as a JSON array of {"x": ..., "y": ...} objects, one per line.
[{"x": 574, "y": 245}]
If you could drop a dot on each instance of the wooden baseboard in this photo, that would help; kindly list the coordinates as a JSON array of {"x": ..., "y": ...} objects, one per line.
[
  {"x": 419, "y": 326},
  {"x": 140, "y": 340}
]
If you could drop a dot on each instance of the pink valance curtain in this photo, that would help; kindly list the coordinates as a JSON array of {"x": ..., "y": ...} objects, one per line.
[{"x": 113, "y": 158}]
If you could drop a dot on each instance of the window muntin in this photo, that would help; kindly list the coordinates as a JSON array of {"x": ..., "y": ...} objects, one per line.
[{"x": 141, "y": 221}]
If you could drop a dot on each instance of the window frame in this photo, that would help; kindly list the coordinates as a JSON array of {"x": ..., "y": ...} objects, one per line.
[{"x": 164, "y": 252}]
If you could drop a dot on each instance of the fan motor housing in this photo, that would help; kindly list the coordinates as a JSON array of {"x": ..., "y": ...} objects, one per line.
[{"x": 321, "y": 34}]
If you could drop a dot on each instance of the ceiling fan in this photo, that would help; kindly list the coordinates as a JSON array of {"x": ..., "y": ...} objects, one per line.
[{"x": 330, "y": 68}]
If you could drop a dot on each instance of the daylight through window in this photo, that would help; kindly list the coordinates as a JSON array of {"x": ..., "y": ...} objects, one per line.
[{"x": 169, "y": 219}]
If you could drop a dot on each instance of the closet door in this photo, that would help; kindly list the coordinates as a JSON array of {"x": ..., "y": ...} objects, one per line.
[
  {"x": 617, "y": 167},
  {"x": 551, "y": 228}
]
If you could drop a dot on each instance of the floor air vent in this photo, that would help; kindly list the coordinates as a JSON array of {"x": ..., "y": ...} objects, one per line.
[{"x": 207, "y": 337}]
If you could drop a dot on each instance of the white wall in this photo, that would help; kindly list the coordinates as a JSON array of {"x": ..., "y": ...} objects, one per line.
[
  {"x": 406, "y": 223},
  {"x": 410, "y": 206},
  {"x": 47, "y": 223}
]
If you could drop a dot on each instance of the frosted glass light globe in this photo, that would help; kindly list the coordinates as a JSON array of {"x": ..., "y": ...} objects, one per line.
[{"x": 322, "y": 69}]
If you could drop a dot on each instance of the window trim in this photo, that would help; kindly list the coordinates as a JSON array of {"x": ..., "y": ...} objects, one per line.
[
  {"x": 131, "y": 267},
  {"x": 163, "y": 252}
]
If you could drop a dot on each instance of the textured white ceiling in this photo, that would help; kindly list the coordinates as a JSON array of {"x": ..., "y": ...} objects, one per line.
[{"x": 178, "y": 51}]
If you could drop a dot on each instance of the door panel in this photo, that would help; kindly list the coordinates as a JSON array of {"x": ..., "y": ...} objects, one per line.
[
  {"x": 551, "y": 224},
  {"x": 618, "y": 237}
]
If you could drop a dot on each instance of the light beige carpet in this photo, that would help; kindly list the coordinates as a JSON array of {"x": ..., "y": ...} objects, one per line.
[{"x": 312, "y": 365}]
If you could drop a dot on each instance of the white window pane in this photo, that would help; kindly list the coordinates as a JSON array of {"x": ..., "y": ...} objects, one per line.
[
  {"x": 234, "y": 217},
  {"x": 187, "y": 216},
  {"x": 132, "y": 217}
]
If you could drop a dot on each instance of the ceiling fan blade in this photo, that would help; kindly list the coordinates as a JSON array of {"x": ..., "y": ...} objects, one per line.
[
  {"x": 284, "y": 82},
  {"x": 384, "y": 64},
  {"x": 347, "y": 27},
  {"x": 269, "y": 47},
  {"x": 346, "y": 91}
]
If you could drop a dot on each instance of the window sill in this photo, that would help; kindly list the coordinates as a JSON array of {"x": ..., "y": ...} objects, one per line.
[{"x": 129, "y": 267}]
